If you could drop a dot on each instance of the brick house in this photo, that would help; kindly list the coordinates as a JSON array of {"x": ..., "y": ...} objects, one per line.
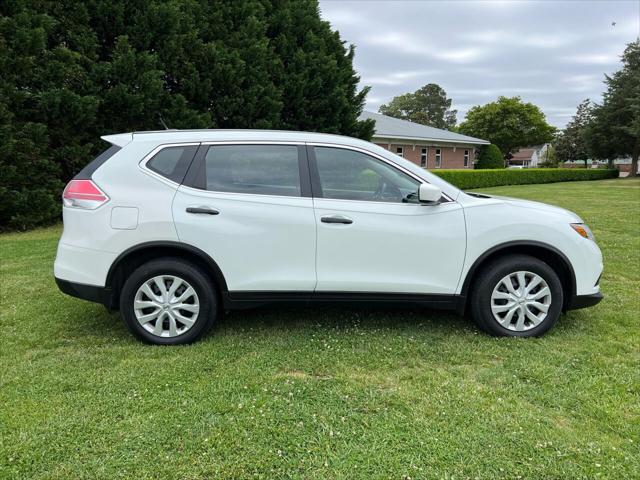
[{"x": 428, "y": 147}]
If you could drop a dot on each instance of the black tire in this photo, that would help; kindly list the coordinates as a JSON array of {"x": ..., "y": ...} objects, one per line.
[
  {"x": 492, "y": 274},
  {"x": 194, "y": 276}
]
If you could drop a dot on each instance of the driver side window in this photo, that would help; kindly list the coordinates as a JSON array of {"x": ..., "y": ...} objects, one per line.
[{"x": 350, "y": 175}]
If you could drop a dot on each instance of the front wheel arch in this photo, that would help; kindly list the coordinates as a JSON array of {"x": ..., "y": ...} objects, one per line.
[{"x": 542, "y": 251}]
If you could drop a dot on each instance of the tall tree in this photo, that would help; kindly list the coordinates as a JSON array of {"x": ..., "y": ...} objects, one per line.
[
  {"x": 315, "y": 72},
  {"x": 428, "y": 105},
  {"x": 615, "y": 129},
  {"x": 571, "y": 143},
  {"x": 508, "y": 123},
  {"x": 75, "y": 70}
]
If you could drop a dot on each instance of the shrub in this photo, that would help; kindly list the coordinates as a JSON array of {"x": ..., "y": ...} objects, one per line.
[
  {"x": 466, "y": 179},
  {"x": 489, "y": 156}
]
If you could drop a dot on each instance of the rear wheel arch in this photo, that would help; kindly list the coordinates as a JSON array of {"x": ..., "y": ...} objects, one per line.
[
  {"x": 542, "y": 251},
  {"x": 140, "y": 254}
]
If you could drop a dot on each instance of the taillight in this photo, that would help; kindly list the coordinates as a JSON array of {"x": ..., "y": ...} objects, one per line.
[{"x": 83, "y": 194}]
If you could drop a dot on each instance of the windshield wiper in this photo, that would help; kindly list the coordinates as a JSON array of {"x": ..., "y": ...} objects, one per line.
[{"x": 477, "y": 195}]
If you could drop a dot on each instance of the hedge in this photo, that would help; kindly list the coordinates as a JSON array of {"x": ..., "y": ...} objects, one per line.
[{"x": 467, "y": 179}]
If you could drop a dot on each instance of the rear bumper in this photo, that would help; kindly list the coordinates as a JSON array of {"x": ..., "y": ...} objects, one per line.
[
  {"x": 584, "y": 301},
  {"x": 91, "y": 293},
  {"x": 82, "y": 265}
]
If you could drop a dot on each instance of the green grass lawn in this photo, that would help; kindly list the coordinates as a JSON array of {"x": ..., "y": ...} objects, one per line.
[{"x": 326, "y": 392}]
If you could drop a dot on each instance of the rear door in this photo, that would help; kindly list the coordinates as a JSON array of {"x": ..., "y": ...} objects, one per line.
[
  {"x": 249, "y": 207},
  {"x": 373, "y": 235}
]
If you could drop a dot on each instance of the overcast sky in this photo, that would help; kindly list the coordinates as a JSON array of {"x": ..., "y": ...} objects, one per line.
[{"x": 551, "y": 53}]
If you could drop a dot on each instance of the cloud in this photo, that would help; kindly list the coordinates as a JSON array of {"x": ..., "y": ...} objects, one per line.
[
  {"x": 402, "y": 43},
  {"x": 399, "y": 78},
  {"x": 397, "y": 41},
  {"x": 582, "y": 82},
  {"x": 517, "y": 37},
  {"x": 593, "y": 58},
  {"x": 461, "y": 55},
  {"x": 554, "y": 54},
  {"x": 344, "y": 17}
]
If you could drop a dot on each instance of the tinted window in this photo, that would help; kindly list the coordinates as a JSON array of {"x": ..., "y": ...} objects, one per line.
[
  {"x": 351, "y": 175},
  {"x": 260, "y": 169},
  {"x": 172, "y": 162}
]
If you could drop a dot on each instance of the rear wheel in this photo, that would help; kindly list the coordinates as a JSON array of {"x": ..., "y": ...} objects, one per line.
[
  {"x": 168, "y": 301},
  {"x": 517, "y": 296}
]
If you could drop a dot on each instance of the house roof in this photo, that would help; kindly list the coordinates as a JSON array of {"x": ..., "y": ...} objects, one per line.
[
  {"x": 523, "y": 154},
  {"x": 395, "y": 128}
]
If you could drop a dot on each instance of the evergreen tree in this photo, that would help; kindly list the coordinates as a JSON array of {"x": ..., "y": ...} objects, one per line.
[
  {"x": 571, "y": 143},
  {"x": 615, "y": 128},
  {"x": 75, "y": 70}
]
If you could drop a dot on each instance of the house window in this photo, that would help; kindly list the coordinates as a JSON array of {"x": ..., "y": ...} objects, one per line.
[
  {"x": 423, "y": 158},
  {"x": 438, "y": 158},
  {"x": 400, "y": 151},
  {"x": 466, "y": 158}
]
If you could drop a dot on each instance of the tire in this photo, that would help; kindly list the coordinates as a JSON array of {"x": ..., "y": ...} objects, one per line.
[
  {"x": 185, "y": 315},
  {"x": 497, "y": 293}
]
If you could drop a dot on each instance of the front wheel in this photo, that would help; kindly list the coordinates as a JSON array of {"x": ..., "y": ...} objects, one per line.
[
  {"x": 517, "y": 296},
  {"x": 168, "y": 301}
]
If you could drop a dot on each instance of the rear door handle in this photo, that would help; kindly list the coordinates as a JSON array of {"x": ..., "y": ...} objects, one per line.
[
  {"x": 336, "y": 219},
  {"x": 203, "y": 210}
]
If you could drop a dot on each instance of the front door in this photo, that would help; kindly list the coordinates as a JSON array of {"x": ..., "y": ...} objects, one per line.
[
  {"x": 373, "y": 236},
  {"x": 249, "y": 207}
]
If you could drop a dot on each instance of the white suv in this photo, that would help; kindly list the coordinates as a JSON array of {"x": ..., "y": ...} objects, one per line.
[{"x": 172, "y": 227}]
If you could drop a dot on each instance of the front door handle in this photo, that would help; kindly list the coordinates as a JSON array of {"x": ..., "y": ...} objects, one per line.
[
  {"x": 203, "y": 210},
  {"x": 336, "y": 219}
]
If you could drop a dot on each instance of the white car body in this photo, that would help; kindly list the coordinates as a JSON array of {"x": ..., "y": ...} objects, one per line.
[{"x": 271, "y": 247}]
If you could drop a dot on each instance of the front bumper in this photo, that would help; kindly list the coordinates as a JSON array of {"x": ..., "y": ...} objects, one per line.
[
  {"x": 91, "y": 293},
  {"x": 584, "y": 301}
]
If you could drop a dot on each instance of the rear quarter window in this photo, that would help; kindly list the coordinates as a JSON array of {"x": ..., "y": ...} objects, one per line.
[{"x": 172, "y": 162}]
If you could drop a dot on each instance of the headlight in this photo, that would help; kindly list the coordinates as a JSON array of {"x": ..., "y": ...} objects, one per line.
[{"x": 583, "y": 230}]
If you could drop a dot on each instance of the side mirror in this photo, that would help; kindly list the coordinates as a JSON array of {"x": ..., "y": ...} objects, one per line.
[{"x": 429, "y": 194}]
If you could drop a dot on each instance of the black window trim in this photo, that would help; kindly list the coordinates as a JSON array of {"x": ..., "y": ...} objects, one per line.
[
  {"x": 89, "y": 169},
  {"x": 316, "y": 186},
  {"x": 195, "y": 175}
]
